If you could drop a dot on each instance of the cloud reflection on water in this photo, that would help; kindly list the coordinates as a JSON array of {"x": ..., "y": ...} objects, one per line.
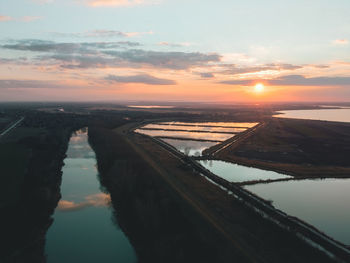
[{"x": 100, "y": 199}]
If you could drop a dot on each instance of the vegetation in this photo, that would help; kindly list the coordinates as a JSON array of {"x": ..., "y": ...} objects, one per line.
[
  {"x": 14, "y": 160},
  {"x": 297, "y": 147}
]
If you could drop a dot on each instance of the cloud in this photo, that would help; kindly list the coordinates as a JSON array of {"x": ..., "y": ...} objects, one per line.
[
  {"x": 29, "y": 18},
  {"x": 90, "y": 55},
  {"x": 113, "y": 33},
  {"x": 5, "y": 18},
  {"x": 184, "y": 44},
  {"x": 206, "y": 75},
  {"x": 170, "y": 60},
  {"x": 340, "y": 42},
  {"x": 101, "y": 33},
  {"x": 20, "y": 19},
  {"x": 35, "y": 45},
  {"x": 28, "y": 84},
  {"x": 105, "y": 33},
  {"x": 320, "y": 66},
  {"x": 35, "y": 84},
  {"x": 294, "y": 80},
  {"x": 42, "y": 46},
  {"x": 142, "y": 78},
  {"x": 232, "y": 69}
]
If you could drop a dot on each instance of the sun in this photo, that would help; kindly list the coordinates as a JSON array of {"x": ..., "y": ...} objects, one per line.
[{"x": 259, "y": 88}]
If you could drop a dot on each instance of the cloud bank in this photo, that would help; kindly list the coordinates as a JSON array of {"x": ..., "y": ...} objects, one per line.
[
  {"x": 294, "y": 80},
  {"x": 110, "y": 54},
  {"x": 141, "y": 78}
]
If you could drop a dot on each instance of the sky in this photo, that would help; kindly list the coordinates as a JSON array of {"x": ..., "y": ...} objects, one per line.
[{"x": 175, "y": 50}]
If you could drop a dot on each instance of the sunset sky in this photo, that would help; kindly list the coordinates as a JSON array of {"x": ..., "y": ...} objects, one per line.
[{"x": 175, "y": 50}]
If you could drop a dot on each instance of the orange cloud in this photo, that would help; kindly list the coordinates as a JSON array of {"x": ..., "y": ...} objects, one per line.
[
  {"x": 341, "y": 42},
  {"x": 21, "y": 19},
  {"x": 5, "y": 18}
]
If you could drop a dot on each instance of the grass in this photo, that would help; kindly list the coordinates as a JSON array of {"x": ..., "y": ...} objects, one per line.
[
  {"x": 14, "y": 159},
  {"x": 24, "y": 132}
]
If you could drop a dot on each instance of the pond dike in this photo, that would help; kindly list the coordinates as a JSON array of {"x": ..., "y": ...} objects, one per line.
[
  {"x": 160, "y": 225},
  {"x": 23, "y": 226}
]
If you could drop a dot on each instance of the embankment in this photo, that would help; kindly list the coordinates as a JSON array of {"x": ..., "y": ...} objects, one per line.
[{"x": 161, "y": 226}]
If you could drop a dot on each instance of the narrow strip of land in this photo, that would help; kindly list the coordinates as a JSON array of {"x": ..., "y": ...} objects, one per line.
[{"x": 233, "y": 141}]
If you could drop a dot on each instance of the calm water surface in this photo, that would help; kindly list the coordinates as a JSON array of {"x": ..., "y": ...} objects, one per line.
[
  {"x": 84, "y": 229},
  {"x": 213, "y": 124},
  {"x": 207, "y": 131},
  {"x": 342, "y": 115},
  {"x": 188, "y": 135},
  {"x": 150, "y": 106},
  {"x": 191, "y": 148},
  {"x": 239, "y": 173},
  {"x": 322, "y": 203},
  {"x": 194, "y": 128}
]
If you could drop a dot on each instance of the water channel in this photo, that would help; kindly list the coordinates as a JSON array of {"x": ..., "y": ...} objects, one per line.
[
  {"x": 84, "y": 228},
  {"x": 239, "y": 173}
]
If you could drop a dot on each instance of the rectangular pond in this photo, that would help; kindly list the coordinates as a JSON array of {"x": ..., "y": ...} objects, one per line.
[
  {"x": 194, "y": 128},
  {"x": 238, "y": 173},
  {"x": 83, "y": 229},
  {"x": 323, "y": 203},
  {"x": 213, "y": 124},
  {"x": 206, "y": 136},
  {"x": 192, "y": 138},
  {"x": 150, "y": 106}
]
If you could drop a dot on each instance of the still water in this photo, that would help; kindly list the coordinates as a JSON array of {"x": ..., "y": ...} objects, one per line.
[
  {"x": 188, "y": 147},
  {"x": 342, "y": 115},
  {"x": 188, "y": 135},
  {"x": 84, "y": 229},
  {"x": 150, "y": 106},
  {"x": 322, "y": 203},
  {"x": 239, "y": 173},
  {"x": 194, "y": 128},
  {"x": 213, "y": 124}
]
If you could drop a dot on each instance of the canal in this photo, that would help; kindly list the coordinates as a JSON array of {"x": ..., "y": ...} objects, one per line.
[{"x": 84, "y": 227}]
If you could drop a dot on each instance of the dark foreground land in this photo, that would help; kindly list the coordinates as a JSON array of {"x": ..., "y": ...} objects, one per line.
[
  {"x": 303, "y": 148},
  {"x": 169, "y": 212}
]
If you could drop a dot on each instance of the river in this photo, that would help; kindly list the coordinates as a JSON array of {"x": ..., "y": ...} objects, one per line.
[{"x": 84, "y": 227}]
